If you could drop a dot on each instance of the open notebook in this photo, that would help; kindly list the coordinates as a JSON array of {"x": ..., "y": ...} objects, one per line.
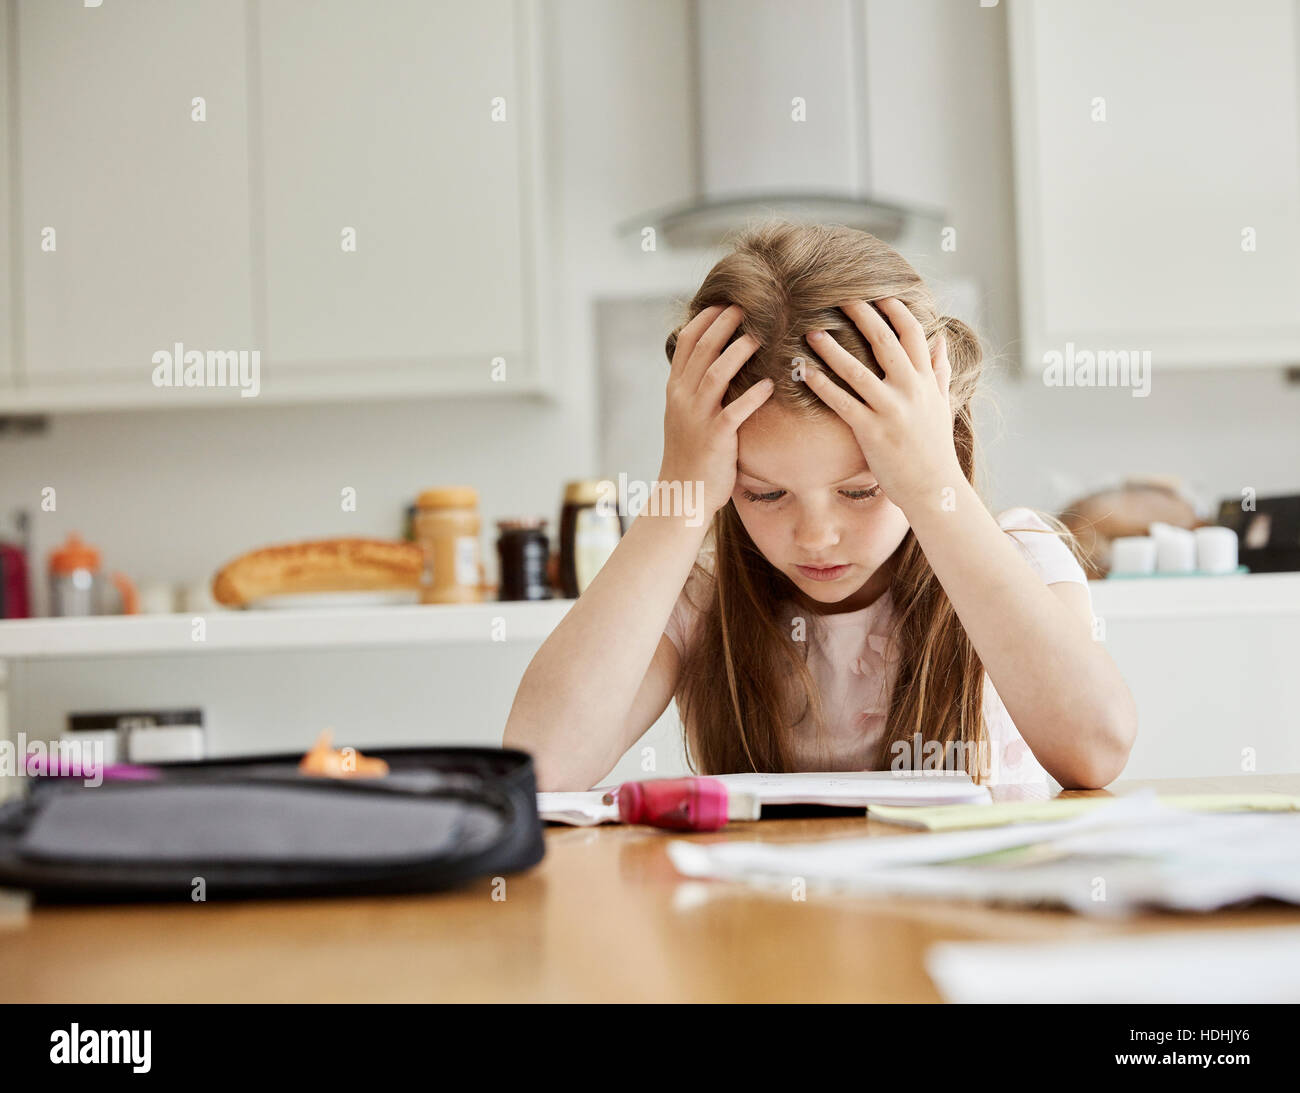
[{"x": 845, "y": 789}]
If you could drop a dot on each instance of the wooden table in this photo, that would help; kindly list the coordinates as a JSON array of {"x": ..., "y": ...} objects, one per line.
[{"x": 605, "y": 917}]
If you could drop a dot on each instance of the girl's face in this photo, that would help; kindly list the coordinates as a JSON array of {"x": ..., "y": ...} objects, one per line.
[{"x": 812, "y": 506}]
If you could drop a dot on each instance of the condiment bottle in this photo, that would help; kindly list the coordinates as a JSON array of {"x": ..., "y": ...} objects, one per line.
[
  {"x": 590, "y": 529},
  {"x": 78, "y": 588},
  {"x": 447, "y": 528},
  {"x": 523, "y": 552}
]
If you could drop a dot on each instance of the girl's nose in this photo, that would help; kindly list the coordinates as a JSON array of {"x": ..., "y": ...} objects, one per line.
[{"x": 814, "y": 534}]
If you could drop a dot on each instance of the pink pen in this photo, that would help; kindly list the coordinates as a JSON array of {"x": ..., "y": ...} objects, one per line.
[{"x": 682, "y": 804}]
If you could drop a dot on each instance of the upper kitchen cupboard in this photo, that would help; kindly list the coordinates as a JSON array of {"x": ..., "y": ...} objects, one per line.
[
  {"x": 408, "y": 124},
  {"x": 6, "y": 196},
  {"x": 355, "y": 198},
  {"x": 1158, "y": 179},
  {"x": 134, "y": 224}
]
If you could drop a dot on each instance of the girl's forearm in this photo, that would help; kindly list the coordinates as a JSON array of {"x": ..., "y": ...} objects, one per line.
[
  {"x": 1061, "y": 688},
  {"x": 578, "y": 690}
]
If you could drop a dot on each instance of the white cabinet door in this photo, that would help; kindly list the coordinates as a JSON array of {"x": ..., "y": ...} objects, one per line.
[
  {"x": 7, "y": 331},
  {"x": 1158, "y": 179},
  {"x": 135, "y": 218},
  {"x": 378, "y": 133}
]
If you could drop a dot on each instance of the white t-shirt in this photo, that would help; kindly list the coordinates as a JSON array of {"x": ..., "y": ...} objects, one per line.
[{"x": 854, "y": 665}]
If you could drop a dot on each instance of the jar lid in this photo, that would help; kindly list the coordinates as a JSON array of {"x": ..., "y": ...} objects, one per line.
[
  {"x": 584, "y": 491},
  {"x": 448, "y": 497},
  {"x": 73, "y": 554},
  {"x": 522, "y": 523}
]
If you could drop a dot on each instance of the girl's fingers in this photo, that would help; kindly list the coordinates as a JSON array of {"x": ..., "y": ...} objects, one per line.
[
  {"x": 854, "y": 414},
  {"x": 884, "y": 342},
  {"x": 690, "y": 337},
  {"x": 911, "y": 335},
  {"x": 858, "y": 376},
  {"x": 710, "y": 345},
  {"x": 722, "y": 370},
  {"x": 733, "y": 415}
]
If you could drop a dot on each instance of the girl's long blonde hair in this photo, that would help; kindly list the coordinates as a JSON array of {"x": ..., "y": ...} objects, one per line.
[{"x": 745, "y": 685}]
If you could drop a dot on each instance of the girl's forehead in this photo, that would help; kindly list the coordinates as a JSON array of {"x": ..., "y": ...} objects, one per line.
[{"x": 780, "y": 445}]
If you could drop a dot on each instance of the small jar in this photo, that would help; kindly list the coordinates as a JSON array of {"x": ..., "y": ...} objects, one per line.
[
  {"x": 523, "y": 552},
  {"x": 590, "y": 529},
  {"x": 447, "y": 528}
]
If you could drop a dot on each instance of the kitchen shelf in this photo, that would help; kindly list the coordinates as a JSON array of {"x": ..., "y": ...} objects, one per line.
[
  {"x": 444, "y": 624},
  {"x": 242, "y": 631},
  {"x": 1197, "y": 597}
]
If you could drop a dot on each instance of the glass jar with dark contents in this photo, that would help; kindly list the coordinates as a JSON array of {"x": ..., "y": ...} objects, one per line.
[
  {"x": 590, "y": 530},
  {"x": 523, "y": 551}
]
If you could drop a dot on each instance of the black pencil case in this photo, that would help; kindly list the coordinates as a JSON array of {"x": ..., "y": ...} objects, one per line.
[{"x": 256, "y": 827}]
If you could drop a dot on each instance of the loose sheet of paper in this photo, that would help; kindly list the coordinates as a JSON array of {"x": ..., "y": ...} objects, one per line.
[
  {"x": 1242, "y": 965},
  {"x": 1135, "y": 852},
  {"x": 582, "y": 808}
]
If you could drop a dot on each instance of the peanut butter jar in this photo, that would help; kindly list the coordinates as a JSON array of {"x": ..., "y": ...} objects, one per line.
[{"x": 447, "y": 528}]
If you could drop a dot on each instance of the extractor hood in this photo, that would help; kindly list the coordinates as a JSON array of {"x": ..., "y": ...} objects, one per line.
[{"x": 781, "y": 124}]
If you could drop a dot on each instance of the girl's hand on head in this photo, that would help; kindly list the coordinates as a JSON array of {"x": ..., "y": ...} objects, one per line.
[
  {"x": 905, "y": 426},
  {"x": 699, "y": 433}
]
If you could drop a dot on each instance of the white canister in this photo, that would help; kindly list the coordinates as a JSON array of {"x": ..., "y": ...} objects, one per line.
[
  {"x": 1216, "y": 550},
  {"x": 1133, "y": 554},
  {"x": 157, "y": 598},
  {"x": 1175, "y": 548},
  {"x": 95, "y": 744},
  {"x": 165, "y": 743},
  {"x": 196, "y": 599}
]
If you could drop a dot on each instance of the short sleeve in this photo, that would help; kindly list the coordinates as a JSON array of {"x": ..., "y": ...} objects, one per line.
[
  {"x": 1042, "y": 548},
  {"x": 688, "y": 609}
]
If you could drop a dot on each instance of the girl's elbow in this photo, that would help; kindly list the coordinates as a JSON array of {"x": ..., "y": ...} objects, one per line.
[
  {"x": 558, "y": 779},
  {"x": 1123, "y": 734},
  {"x": 1090, "y": 775},
  {"x": 554, "y": 773},
  {"x": 1108, "y": 756}
]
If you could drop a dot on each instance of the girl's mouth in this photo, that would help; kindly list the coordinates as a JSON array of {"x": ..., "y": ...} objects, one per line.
[{"x": 823, "y": 573}]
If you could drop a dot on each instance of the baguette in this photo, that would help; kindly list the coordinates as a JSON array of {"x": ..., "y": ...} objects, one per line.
[{"x": 322, "y": 565}]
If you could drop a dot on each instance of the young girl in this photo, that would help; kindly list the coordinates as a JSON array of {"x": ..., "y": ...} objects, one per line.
[{"x": 847, "y": 602}]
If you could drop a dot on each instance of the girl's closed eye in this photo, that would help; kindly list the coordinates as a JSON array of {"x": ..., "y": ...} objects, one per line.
[
  {"x": 865, "y": 494},
  {"x": 771, "y": 495}
]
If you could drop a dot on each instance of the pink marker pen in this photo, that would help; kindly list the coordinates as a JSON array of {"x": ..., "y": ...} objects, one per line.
[{"x": 682, "y": 804}]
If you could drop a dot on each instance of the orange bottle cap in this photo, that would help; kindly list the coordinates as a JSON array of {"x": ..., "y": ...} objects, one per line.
[{"x": 74, "y": 554}]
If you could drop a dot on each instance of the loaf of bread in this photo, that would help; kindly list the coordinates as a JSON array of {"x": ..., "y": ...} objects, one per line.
[{"x": 322, "y": 565}]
